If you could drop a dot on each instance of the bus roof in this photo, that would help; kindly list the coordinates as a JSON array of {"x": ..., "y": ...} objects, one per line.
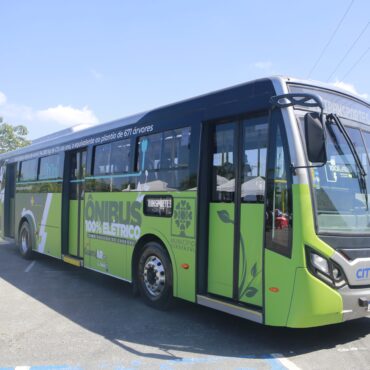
[{"x": 81, "y": 131}]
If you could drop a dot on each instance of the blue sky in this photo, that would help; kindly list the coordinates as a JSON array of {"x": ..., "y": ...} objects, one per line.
[{"x": 68, "y": 62}]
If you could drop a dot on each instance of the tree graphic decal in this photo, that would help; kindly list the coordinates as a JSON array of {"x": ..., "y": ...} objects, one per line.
[
  {"x": 183, "y": 216},
  {"x": 245, "y": 289}
]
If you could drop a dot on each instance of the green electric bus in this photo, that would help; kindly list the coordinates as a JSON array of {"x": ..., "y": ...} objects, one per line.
[{"x": 252, "y": 200}]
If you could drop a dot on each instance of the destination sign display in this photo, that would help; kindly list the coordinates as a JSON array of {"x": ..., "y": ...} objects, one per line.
[{"x": 341, "y": 105}]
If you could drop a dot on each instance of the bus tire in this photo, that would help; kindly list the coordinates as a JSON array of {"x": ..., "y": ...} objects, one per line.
[
  {"x": 26, "y": 241},
  {"x": 155, "y": 277}
]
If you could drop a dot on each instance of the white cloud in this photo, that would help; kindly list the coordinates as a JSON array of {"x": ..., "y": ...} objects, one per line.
[
  {"x": 265, "y": 65},
  {"x": 3, "y": 98},
  {"x": 68, "y": 116},
  {"x": 97, "y": 75},
  {"x": 45, "y": 121},
  {"x": 16, "y": 114},
  {"x": 350, "y": 88}
]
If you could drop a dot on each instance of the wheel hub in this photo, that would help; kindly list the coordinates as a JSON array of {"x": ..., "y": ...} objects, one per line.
[
  {"x": 154, "y": 276},
  {"x": 24, "y": 241}
]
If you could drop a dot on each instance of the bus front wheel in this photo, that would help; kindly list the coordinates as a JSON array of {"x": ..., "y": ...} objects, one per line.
[
  {"x": 155, "y": 276},
  {"x": 25, "y": 241}
]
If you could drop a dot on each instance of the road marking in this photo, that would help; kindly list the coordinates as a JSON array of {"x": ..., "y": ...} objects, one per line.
[
  {"x": 28, "y": 269},
  {"x": 351, "y": 349},
  {"x": 274, "y": 361},
  {"x": 42, "y": 367},
  {"x": 285, "y": 362}
]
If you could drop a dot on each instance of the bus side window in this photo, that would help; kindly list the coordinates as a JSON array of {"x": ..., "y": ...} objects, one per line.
[
  {"x": 176, "y": 148},
  {"x": 102, "y": 156},
  {"x": 28, "y": 170},
  {"x": 51, "y": 167},
  {"x": 120, "y": 156},
  {"x": 278, "y": 208},
  {"x": 253, "y": 175},
  {"x": 223, "y": 167},
  {"x": 164, "y": 160},
  {"x": 150, "y": 159},
  {"x": 2, "y": 173}
]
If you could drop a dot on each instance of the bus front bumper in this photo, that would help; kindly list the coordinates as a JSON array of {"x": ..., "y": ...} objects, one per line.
[{"x": 356, "y": 302}]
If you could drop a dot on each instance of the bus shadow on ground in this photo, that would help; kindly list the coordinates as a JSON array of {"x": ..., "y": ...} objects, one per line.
[{"x": 106, "y": 306}]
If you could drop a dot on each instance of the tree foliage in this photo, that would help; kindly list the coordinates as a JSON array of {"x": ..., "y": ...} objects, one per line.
[{"x": 12, "y": 137}]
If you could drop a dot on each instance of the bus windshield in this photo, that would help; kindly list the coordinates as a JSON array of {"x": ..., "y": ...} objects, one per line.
[
  {"x": 341, "y": 202},
  {"x": 341, "y": 193}
]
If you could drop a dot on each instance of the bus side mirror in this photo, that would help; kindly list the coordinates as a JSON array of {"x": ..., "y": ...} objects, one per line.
[{"x": 315, "y": 138}]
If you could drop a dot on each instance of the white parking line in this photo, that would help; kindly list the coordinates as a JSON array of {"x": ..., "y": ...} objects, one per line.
[
  {"x": 351, "y": 349},
  {"x": 285, "y": 362},
  {"x": 28, "y": 269}
]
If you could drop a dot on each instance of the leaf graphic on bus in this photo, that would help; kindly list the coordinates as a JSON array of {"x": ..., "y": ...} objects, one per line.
[
  {"x": 224, "y": 217},
  {"x": 254, "y": 270},
  {"x": 251, "y": 291}
]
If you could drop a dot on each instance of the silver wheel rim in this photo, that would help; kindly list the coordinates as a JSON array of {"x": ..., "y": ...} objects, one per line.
[
  {"x": 154, "y": 276},
  {"x": 24, "y": 241}
]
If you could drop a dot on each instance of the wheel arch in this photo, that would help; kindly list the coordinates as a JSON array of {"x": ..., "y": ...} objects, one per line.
[
  {"x": 31, "y": 223},
  {"x": 136, "y": 255}
]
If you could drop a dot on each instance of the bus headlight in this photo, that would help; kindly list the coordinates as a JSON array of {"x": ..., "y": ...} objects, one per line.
[
  {"x": 320, "y": 263},
  {"x": 325, "y": 269}
]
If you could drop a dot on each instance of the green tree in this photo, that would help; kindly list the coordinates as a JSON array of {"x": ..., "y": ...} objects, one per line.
[{"x": 12, "y": 137}]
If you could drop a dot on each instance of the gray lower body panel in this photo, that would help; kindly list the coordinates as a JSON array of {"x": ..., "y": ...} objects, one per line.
[
  {"x": 230, "y": 308},
  {"x": 351, "y": 307}
]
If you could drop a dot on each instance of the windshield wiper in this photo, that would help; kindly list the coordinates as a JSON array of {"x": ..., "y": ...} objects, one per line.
[{"x": 362, "y": 172}]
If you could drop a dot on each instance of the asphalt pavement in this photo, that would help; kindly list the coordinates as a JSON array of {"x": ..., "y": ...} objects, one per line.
[{"x": 56, "y": 316}]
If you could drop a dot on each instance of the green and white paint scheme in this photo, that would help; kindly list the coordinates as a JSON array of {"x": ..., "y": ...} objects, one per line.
[{"x": 270, "y": 287}]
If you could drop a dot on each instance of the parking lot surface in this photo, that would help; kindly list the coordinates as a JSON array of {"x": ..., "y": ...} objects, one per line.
[{"x": 56, "y": 316}]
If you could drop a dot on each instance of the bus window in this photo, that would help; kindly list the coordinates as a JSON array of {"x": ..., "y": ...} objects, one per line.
[
  {"x": 223, "y": 167},
  {"x": 366, "y": 136},
  {"x": 176, "y": 148},
  {"x": 102, "y": 160},
  {"x": 278, "y": 210},
  {"x": 28, "y": 170},
  {"x": 254, "y": 160},
  {"x": 120, "y": 156},
  {"x": 165, "y": 163},
  {"x": 113, "y": 158},
  {"x": 2, "y": 173},
  {"x": 152, "y": 156},
  {"x": 51, "y": 167}
]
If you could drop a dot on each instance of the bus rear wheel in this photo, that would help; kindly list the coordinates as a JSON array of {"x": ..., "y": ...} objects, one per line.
[
  {"x": 25, "y": 241},
  {"x": 155, "y": 276}
]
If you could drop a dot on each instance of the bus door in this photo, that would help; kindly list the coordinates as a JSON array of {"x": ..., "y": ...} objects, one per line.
[
  {"x": 9, "y": 199},
  {"x": 236, "y": 209},
  {"x": 76, "y": 189}
]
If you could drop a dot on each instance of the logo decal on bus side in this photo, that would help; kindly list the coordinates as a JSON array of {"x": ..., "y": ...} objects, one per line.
[
  {"x": 113, "y": 220},
  {"x": 183, "y": 218},
  {"x": 362, "y": 273}
]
